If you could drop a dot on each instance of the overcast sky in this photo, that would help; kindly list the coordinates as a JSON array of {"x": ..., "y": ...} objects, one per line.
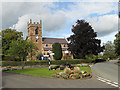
[{"x": 58, "y": 17}]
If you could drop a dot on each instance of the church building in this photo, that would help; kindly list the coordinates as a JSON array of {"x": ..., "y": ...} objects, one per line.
[{"x": 44, "y": 44}]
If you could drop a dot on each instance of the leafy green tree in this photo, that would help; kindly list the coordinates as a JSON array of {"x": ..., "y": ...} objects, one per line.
[
  {"x": 83, "y": 42},
  {"x": 20, "y": 49},
  {"x": 8, "y": 36},
  {"x": 57, "y": 50},
  {"x": 117, "y": 43},
  {"x": 32, "y": 49},
  {"x": 109, "y": 51}
]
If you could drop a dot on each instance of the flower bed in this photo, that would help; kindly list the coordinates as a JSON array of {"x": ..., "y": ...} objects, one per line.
[{"x": 72, "y": 73}]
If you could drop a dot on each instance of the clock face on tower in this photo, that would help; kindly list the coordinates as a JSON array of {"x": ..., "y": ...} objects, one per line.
[{"x": 37, "y": 37}]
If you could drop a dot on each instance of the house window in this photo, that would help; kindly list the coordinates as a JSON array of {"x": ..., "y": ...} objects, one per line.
[
  {"x": 36, "y": 40},
  {"x": 46, "y": 45},
  {"x": 64, "y": 45}
]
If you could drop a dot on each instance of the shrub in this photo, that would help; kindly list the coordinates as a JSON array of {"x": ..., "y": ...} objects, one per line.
[
  {"x": 77, "y": 70},
  {"x": 57, "y": 50},
  {"x": 45, "y": 62},
  {"x": 39, "y": 56},
  {"x": 75, "y": 76},
  {"x": 67, "y": 70},
  {"x": 99, "y": 60},
  {"x": 54, "y": 67}
]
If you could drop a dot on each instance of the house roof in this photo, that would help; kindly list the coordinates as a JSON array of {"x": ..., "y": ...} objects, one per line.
[{"x": 54, "y": 40}]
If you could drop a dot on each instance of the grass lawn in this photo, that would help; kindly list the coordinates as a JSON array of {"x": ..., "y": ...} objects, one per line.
[{"x": 43, "y": 72}]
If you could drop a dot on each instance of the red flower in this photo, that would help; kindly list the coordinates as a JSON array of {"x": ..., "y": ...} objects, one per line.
[
  {"x": 74, "y": 67},
  {"x": 87, "y": 65},
  {"x": 56, "y": 73},
  {"x": 85, "y": 72},
  {"x": 9, "y": 66}
]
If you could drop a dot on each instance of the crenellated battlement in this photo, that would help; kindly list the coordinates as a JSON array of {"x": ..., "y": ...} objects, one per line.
[
  {"x": 34, "y": 28},
  {"x": 34, "y": 24}
]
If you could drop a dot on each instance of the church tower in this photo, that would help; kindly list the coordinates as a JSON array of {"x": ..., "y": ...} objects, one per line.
[{"x": 35, "y": 34}]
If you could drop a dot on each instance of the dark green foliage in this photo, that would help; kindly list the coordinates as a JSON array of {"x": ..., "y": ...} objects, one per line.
[
  {"x": 21, "y": 48},
  {"x": 38, "y": 56},
  {"x": 31, "y": 48},
  {"x": 119, "y": 14},
  {"x": 83, "y": 42},
  {"x": 18, "y": 49},
  {"x": 8, "y": 36},
  {"x": 117, "y": 43},
  {"x": 57, "y": 50},
  {"x": 45, "y": 62}
]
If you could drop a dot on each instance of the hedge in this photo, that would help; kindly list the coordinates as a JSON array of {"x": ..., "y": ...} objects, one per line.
[{"x": 45, "y": 62}]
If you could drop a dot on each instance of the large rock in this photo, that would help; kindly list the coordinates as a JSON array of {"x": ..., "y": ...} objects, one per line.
[{"x": 52, "y": 67}]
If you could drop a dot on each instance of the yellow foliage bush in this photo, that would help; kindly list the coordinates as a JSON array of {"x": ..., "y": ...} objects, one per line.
[
  {"x": 67, "y": 70},
  {"x": 77, "y": 70}
]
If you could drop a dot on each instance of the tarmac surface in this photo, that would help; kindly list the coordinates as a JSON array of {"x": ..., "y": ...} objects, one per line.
[{"x": 12, "y": 80}]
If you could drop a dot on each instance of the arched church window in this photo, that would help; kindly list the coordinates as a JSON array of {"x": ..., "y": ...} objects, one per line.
[{"x": 36, "y": 30}]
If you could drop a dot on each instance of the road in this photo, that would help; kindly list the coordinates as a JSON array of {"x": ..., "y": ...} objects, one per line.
[
  {"x": 107, "y": 70},
  {"x": 11, "y": 80}
]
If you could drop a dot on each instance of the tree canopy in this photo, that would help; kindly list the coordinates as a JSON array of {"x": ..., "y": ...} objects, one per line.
[
  {"x": 18, "y": 49},
  {"x": 32, "y": 48},
  {"x": 8, "y": 36},
  {"x": 83, "y": 41},
  {"x": 117, "y": 43},
  {"x": 22, "y": 48},
  {"x": 57, "y": 50},
  {"x": 109, "y": 51}
]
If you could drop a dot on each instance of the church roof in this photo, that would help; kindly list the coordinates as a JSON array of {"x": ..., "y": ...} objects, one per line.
[{"x": 54, "y": 40}]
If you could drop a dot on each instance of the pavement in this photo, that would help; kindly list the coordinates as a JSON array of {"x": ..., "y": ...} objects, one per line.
[
  {"x": 12, "y": 80},
  {"x": 107, "y": 72}
]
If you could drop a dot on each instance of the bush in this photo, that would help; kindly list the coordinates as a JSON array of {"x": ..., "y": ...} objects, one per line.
[
  {"x": 54, "y": 67},
  {"x": 11, "y": 63},
  {"x": 67, "y": 70},
  {"x": 45, "y": 62},
  {"x": 99, "y": 60},
  {"x": 39, "y": 56},
  {"x": 57, "y": 50},
  {"x": 77, "y": 70}
]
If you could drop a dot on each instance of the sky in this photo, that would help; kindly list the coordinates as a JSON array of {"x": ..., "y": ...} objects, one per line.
[{"x": 59, "y": 16}]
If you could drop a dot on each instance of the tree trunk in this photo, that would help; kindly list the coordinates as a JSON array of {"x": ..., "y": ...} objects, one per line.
[{"x": 23, "y": 63}]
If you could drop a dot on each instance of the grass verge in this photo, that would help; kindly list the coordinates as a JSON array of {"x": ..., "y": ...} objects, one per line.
[{"x": 43, "y": 72}]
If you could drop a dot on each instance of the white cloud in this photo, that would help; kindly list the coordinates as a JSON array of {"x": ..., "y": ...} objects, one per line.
[
  {"x": 16, "y": 15},
  {"x": 52, "y": 23},
  {"x": 59, "y": 0},
  {"x": 110, "y": 37},
  {"x": 84, "y": 9},
  {"x": 104, "y": 24}
]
